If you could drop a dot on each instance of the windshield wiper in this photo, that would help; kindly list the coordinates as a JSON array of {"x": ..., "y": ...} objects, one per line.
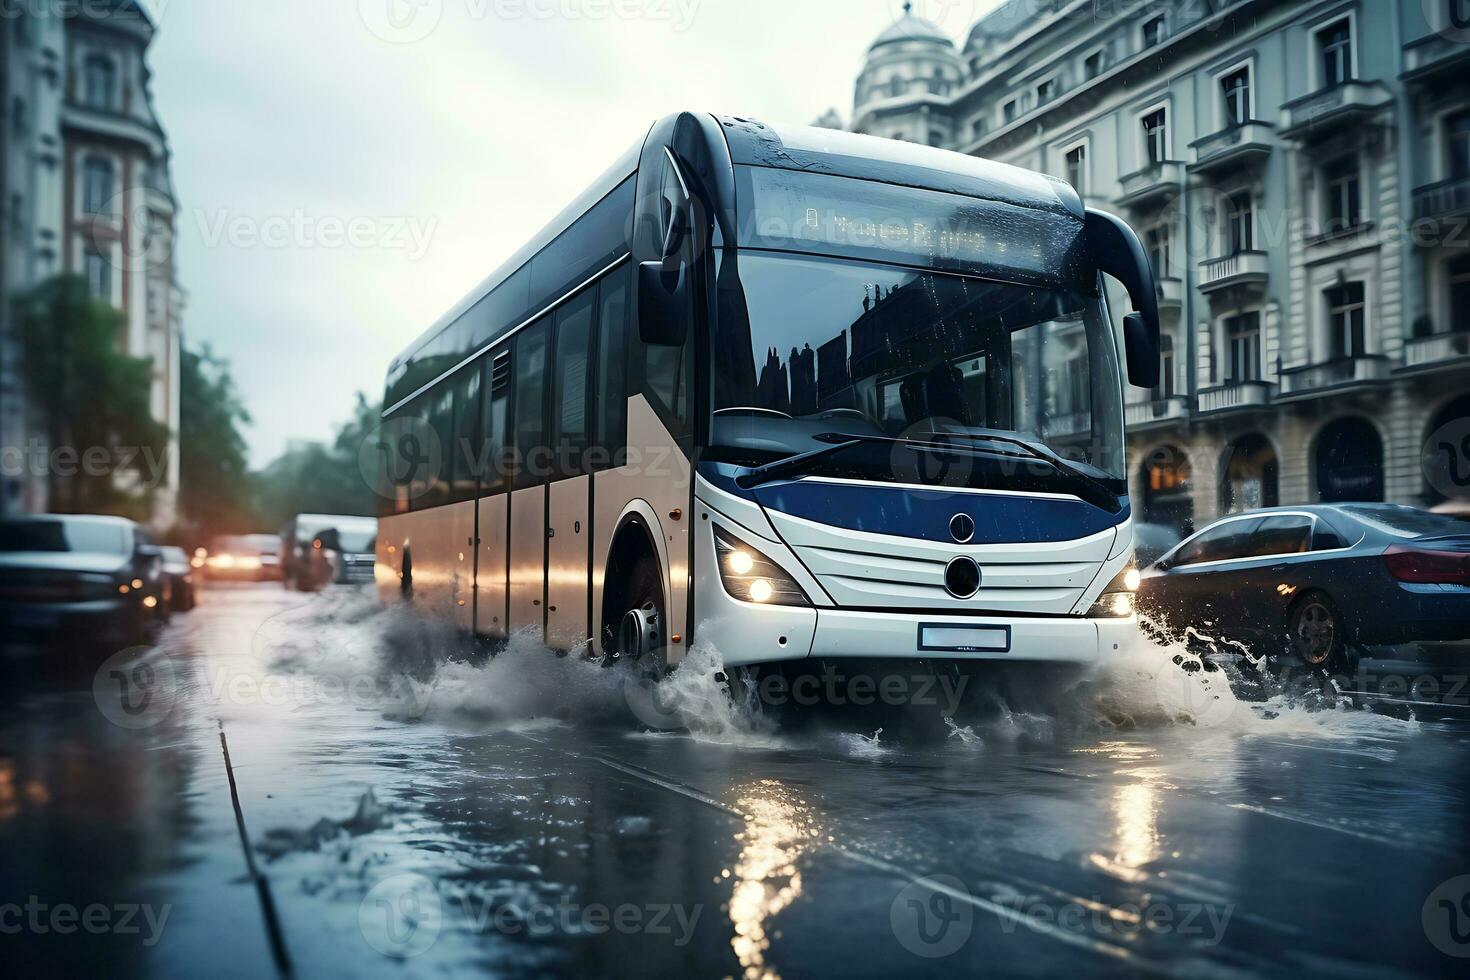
[
  {"x": 758, "y": 475},
  {"x": 1089, "y": 488},
  {"x": 1097, "y": 493}
]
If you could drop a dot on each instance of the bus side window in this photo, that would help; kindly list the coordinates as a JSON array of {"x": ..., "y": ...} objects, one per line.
[
  {"x": 569, "y": 391},
  {"x": 416, "y": 471},
  {"x": 532, "y": 455},
  {"x": 611, "y": 433},
  {"x": 468, "y": 453},
  {"x": 497, "y": 386},
  {"x": 441, "y": 417}
]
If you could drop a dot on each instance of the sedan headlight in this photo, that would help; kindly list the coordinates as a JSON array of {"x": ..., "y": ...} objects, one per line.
[
  {"x": 750, "y": 576},
  {"x": 1117, "y": 600}
]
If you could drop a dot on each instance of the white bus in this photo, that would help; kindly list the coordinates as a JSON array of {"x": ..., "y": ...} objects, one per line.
[{"x": 789, "y": 392}]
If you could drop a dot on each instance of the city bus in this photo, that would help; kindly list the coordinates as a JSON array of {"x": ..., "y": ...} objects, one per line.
[{"x": 786, "y": 392}]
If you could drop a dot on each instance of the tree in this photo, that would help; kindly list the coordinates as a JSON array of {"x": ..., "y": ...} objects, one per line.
[
  {"x": 216, "y": 490},
  {"x": 92, "y": 401}
]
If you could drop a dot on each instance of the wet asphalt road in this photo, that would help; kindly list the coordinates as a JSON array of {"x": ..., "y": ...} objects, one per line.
[{"x": 387, "y": 813}]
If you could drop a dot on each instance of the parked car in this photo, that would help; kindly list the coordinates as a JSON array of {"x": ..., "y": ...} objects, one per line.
[
  {"x": 1318, "y": 581},
  {"x": 180, "y": 575},
  {"x": 342, "y": 555},
  {"x": 1152, "y": 541},
  {"x": 244, "y": 557},
  {"x": 79, "y": 577}
]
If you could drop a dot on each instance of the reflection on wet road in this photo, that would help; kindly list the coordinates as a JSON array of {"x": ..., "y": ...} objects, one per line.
[{"x": 411, "y": 815}]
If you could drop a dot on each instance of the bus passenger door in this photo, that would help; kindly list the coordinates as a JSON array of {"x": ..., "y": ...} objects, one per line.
[
  {"x": 494, "y": 504},
  {"x": 567, "y": 520},
  {"x": 528, "y": 498}
]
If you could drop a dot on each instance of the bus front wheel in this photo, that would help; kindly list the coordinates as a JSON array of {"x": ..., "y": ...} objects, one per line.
[{"x": 637, "y": 632}]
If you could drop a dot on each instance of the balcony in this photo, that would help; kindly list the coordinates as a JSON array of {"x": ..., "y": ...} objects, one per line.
[
  {"x": 1332, "y": 377},
  {"x": 1157, "y": 413},
  {"x": 1239, "y": 396},
  {"x": 1334, "y": 109},
  {"x": 1247, "y": 145},
  {"x": 1446, "y": 199},
  {"x": 1435, "y": 56},
  {"x": 1152, "y": 186},
  {"x": 1240, "y": 269},
  {"x": 1437, "y": 351},
  {"x": 1171, "y": 292}
]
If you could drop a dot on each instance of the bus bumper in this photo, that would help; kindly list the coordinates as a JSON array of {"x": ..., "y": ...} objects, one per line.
[{"x": 1074, "y": 640}]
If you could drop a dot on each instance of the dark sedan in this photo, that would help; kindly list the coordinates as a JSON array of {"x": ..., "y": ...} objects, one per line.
[
  {"x": 180, "y": 575},
  {"x": 87, "y": 578},
  {"x": 1317, "y": 582}
]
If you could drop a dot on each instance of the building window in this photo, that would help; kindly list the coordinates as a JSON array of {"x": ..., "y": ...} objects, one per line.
[
  {"x": 1459, "y": 271},
  {"x": 897, "y": 86},
  {"x": 1335, "y": 47},
  {"x": 1153, "y": 31},
  {"x": 1236, "y": 87},
  {"x": 1156, "y": 136},
  {"x": 99, "y": 275},
  {"x": 1345, "y": 312},
  {"x": 1243, "y": 333},
  {"x": 1077, "y": 167},
  {"x": 99, "y": 82},
  {"x": 1457, "y": 144},
  {"x": 1009, "y": 111},
  {"x": 936, "y": 138},
  {"x": 1045, "y": 91},
  {"x": 1344, "y": 195},
  {"x": 96, "y": 185},
  {"x": 1240, "y": 232},
  {"x": 1092, "y": 65},
  {"x": 1166, "y": 368},
  {"x": 1157, "y": 241}
]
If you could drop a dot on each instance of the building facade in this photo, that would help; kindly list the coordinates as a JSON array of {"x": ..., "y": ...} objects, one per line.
[
  {"x": 86, "y": 191},
  {"x": 1299, "y": 171}
]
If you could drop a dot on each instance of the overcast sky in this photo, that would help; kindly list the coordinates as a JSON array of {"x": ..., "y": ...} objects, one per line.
[{"x": 348, "y": 169}]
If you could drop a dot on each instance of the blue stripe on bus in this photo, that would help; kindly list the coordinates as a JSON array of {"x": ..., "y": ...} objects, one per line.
[{"x": 925, "y": 514}]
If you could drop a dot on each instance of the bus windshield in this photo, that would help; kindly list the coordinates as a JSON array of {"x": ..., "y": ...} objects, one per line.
[{"x": 879, "y": 350}]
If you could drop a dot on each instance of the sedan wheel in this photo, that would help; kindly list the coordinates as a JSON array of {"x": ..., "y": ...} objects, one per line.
[{"x": 1316, "y": 633}]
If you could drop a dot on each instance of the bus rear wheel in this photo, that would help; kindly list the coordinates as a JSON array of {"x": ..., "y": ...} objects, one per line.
[{"x": 637, "y": 631}]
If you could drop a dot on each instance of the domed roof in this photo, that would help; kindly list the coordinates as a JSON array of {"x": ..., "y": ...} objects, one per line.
[{"x": 911, "y": 27}]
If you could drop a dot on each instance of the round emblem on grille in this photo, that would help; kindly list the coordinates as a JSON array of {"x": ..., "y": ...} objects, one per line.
[
  {"x": 962, "y": 577},
  {"x": 962, "y": 527}
]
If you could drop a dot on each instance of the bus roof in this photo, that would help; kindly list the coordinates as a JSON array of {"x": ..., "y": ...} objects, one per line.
[
  {"x": 813, "y": 149},
  {"x": 753, "y": 143}
]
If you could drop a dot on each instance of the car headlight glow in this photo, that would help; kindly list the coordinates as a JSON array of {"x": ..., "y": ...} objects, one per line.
[
  {"x": 750, "y": 576},
  {"x": 1117, "y": 600}
]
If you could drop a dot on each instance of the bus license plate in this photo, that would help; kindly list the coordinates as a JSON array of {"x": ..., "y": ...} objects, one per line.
[{"x": 965, "y": 639}]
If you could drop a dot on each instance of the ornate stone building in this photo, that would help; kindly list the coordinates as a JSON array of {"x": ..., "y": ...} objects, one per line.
[
  {"x": 86, "y": 190},
  {"x": 1300, "y": 173}
]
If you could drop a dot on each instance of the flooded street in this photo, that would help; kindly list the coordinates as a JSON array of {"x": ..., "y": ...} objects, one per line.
[{"x": 531, "y": 815}]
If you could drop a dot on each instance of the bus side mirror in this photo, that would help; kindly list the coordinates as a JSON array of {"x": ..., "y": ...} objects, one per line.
[
  {"x": 1141, "y": 346},
  {"x": 1117, "y": 252},
  {"x": 663, "y": 305}
]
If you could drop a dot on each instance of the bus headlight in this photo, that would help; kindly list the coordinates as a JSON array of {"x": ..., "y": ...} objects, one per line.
[
  {"x": 750, "y": 576},
  {"x": 1117, "y": 600}
]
